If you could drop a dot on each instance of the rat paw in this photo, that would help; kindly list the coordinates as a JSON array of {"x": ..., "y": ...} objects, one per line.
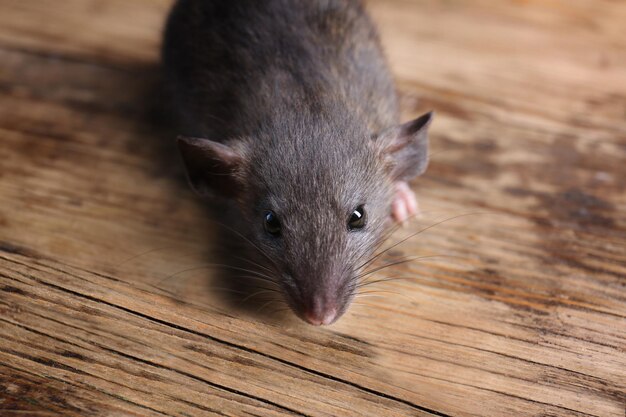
[{"x": 404, "y": 203}]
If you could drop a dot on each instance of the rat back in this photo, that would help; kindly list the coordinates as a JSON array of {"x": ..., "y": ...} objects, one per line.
[{"x": 236, "y": 66}]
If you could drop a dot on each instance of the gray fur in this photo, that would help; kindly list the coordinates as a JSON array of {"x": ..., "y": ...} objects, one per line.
[{"x": 300, "y": 94}]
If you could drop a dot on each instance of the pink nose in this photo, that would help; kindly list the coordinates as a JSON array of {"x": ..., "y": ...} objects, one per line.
[{"x": 318, "y": 318}]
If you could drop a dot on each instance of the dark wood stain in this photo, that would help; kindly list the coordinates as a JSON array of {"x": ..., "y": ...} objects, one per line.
[
  {"x": 8, "y": 288},
  {"x": 15, "y": 249}
]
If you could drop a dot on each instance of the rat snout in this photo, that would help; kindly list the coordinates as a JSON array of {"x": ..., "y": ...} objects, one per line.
[
  {"x": 320, "y": 313},
  {"x": 319, "y": 298}
]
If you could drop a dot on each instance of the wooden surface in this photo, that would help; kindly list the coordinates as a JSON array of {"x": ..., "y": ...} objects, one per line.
[{"x": 108, "y": 307}]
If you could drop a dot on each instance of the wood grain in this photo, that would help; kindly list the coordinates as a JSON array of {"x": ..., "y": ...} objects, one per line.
[{"x": 109, "y": 305}]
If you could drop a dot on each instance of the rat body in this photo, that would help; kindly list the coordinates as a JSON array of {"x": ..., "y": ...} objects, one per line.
[{"x": 290, "y": 111}]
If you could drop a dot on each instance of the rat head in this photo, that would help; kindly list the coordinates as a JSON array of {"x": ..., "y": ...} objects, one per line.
[{"x": 317, "y": 204}]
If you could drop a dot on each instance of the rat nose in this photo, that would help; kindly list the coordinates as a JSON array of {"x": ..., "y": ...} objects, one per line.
[{"x": 320, "y": 316}]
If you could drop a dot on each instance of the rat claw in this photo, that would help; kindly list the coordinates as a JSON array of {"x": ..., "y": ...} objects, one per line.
[{"x": 404, "y": 204}]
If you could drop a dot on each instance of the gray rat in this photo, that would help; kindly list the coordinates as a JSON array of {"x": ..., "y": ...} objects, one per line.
[{"x": 290, "y": 111}]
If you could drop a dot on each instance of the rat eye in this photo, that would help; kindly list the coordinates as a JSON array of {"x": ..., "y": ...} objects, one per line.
[
  {"x": 357, "y": 218},
  {"x": 271, "y": 223}
]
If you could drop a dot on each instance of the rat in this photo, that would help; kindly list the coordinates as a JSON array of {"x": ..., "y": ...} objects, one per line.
[{"x": 288, "y": 109}]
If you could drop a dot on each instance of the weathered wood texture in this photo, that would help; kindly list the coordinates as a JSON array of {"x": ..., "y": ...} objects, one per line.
[{"x": 527, "y": 317}]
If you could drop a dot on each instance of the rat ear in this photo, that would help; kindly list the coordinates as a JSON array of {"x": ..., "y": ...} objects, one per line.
[
  {"x": 406, "y": 146},
  {"x": 212, "y": 167}
]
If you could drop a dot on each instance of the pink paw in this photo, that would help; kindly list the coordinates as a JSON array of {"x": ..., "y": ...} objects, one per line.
[{"x": 404, "y": 203}]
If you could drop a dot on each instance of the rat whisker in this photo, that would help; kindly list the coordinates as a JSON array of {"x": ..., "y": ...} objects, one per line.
[
  {"x": 374, "y": 246},
  {"x": 360, "y": 303},
  {"x": 171, "y": 293},
  {"x": 265, "y": 291},
  {"x": 231, "y": 267},
  {"x": 378, "y": 243},
  {"x": 147, "y": 252},
  {"x": 377, "y": 292},
  {"x": 397, "y": 226},
  {"x": 273, "y": 290},
  {"x": 381, "y": 280},
  {"x": 207, "y": 266},
  {"x": 386, "y": 279},
  {"x": 260, "y": 279},
  {"x": 230, "y": 290},
  {"x": 247, "y": 240},
  {"x": 373, "y": 258},
  {"x": 383, "y": 240},
  {"x": 369, "y": 295},
  {"x": 399, "y": 262},
  {"x": 372, "y": 304},
  {"x": 363, "y": 293},
  {"x": 176, "y": 294},
  {"x": 270, "y": 302},
  {"x": 251, "y": 262},
  {"x": 278, "y": 310},
  {"x": 144, "y": 253}
]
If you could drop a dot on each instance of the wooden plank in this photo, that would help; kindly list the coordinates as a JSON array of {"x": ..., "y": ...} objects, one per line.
[
  {"x": 112, "y": 33},
  {"x": 192, "y": 358},
  {"x": 107, "y": 301}
]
